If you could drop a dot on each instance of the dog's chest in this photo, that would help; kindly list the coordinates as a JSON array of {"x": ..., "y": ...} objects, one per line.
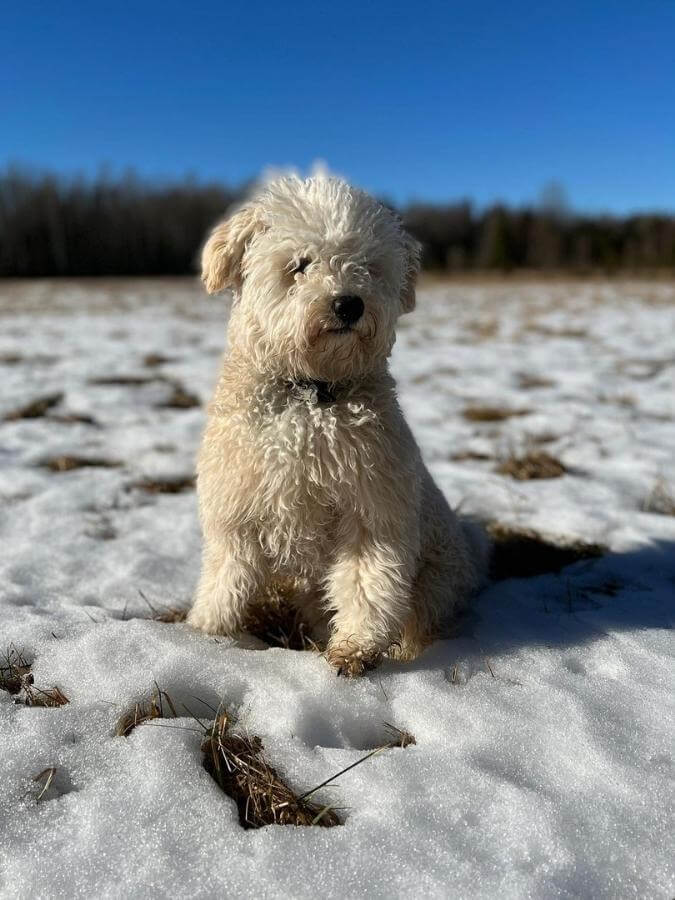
[
  {"x": 312, "y": 459},
  {"x": 317, "y": 450}
]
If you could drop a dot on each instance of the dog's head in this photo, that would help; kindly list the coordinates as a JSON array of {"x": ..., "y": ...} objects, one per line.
[{"x": 320, "y": 272}]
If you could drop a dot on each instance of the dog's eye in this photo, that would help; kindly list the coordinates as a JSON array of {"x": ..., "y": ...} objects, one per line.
[{"x": 298, "y": 266}]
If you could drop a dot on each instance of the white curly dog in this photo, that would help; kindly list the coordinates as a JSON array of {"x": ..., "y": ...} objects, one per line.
[{"x": 308, "y": 475}]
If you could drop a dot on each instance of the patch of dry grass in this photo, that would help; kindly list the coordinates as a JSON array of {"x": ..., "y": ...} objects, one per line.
[
  {"x": 660, "y": 500},
  {"x": 543, "y": 437},
  {"x": 237, "y": 765},
  {"x": 17, "y": 679},
  {"x": 529, "y": 382},
  {"x": 644, "y": 369},
  {"x": 467, "y": 455},
  {"x": 491, "y": 413},
  {"x": 67, "y": 463},
  {"x": 14, "y": 671},
  {"x": 152, "y": 360},
  {"x": 72, "y": 418},
  {"x": 36, "y": 409},
  {"x": 277, "y": 622},
  {"x": 50, "y": 697},
  {"x": 535, "y": 465},
  {"x": 169, "y": 615},
  {"x": 180, "y": 398},
  {"x": 169, "y": 485},
  {"x": 548, "y": 331},
  {"x": 484, "y": 329},
  {"x": 122, "y": 380},
  {"x": 145, "y": 711},
  {"x": 522, "y": 553}
]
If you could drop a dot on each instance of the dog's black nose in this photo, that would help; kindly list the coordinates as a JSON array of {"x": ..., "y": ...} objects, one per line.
[{"x": 348, "y": 309}]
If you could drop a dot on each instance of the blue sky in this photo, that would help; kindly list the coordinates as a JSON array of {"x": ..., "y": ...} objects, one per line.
[{"x": 481, "y": 99}]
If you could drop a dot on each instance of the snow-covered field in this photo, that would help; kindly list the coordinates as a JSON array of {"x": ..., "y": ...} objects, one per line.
[{"x": 544, "y": 758}]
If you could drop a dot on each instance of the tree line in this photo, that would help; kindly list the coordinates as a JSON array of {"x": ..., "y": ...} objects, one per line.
[{"x": 51, "y": 225}]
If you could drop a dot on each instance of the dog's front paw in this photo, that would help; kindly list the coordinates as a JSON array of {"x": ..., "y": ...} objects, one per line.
[
  {"x": 351, "y": 660},
  {"x": 206, "y": 619}
]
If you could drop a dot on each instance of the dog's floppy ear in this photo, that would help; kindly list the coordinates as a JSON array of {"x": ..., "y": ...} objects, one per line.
[
  {"x": 413, "y": 252},
  {"x": 224, "y": 250}
]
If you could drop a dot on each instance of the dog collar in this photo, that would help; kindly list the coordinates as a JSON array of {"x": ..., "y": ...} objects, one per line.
[{"x": 323, "y": 391}]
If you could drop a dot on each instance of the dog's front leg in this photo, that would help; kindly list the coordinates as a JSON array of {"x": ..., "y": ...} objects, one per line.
[
  {"x": 369, "y": 591},
  {"x": 233, "y": 573}
]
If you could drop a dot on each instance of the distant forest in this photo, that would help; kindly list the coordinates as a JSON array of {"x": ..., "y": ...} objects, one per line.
[{"x": 51, "y": 225}]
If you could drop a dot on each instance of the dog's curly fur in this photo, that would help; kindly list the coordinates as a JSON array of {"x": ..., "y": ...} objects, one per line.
[{"x": 308, "y": 472}]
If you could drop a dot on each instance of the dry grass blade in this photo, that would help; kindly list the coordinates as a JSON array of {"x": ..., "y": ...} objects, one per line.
[
  {"x": 35, "y": 409},
  {"x": 52, "y": 697},
  {"x": 532, "y": 466},
  {"x": 400, "y": 737},
  {"x": 347, "y": 769},
  {"x": 49, "y": 773},
  {"x": 237, "y": 765}
]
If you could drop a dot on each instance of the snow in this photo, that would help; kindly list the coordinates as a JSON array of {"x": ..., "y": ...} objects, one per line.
[{"x": 544, "y": 756}]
